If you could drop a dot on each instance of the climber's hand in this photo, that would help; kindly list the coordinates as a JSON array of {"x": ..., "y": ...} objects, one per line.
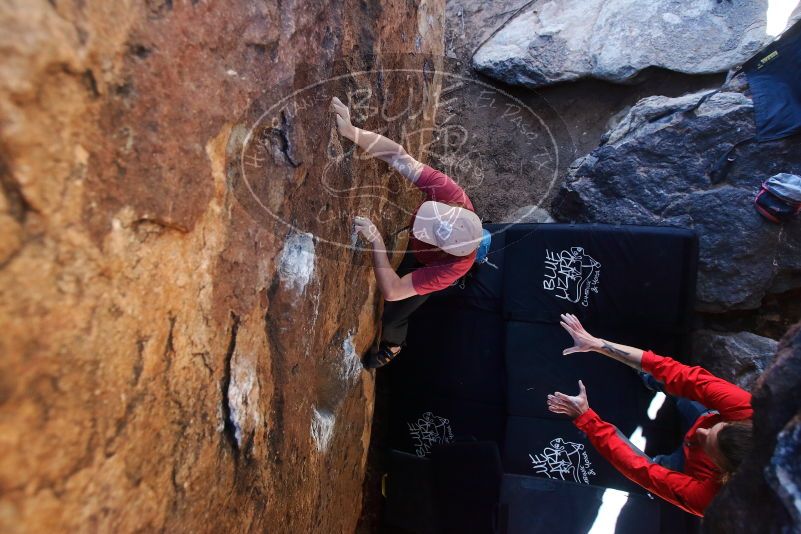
[
  {"x": 366, "y": 227},
  {"x": 344, "y": 127},
  {"x": 570, "y": 406}
]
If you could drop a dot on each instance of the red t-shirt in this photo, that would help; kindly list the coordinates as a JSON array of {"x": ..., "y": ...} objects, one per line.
[
  {"x": 440, "y": 268},
  {"x": 693, "y": 489}
]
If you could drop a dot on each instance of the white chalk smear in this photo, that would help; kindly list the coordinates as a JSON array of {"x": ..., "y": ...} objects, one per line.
[
  {"x": 220, "y": 418},
  {"x": 322, "y": 428},
  {"x": 351, "y": 365},
  {"x": 242, "y": 400},
  {"x": 354, "y": 236},
  {"x": 296, "y": 265}
]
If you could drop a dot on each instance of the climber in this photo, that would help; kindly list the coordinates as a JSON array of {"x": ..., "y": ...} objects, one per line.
[
  {"x": 445, "y": 233},
  {"x": 718, "y": 439}
]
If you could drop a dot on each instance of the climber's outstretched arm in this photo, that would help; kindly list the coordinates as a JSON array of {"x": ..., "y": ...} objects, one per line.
[{"x": 375, "y": 144}]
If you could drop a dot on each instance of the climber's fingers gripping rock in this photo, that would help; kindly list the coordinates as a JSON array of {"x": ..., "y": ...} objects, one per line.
[
  {"x": 366, "y": 227},
  {"x": 342, "y": 115}
]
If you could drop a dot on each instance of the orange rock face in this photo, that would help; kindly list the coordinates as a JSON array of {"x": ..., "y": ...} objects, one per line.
[{"x": 181, "y": 330}]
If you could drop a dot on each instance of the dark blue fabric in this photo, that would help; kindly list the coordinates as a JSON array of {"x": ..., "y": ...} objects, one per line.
[
  {"x": 673, "y": 461},
  {"x": 689, "y": 412},
  {"x": 774, "y": 76}
]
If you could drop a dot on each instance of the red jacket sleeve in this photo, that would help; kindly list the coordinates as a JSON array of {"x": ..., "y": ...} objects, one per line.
[
  {"x": 696, "y": 383},
  {"x": 684, "y": 491}
]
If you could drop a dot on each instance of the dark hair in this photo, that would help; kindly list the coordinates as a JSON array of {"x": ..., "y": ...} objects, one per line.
[{"x": 735, "y": 441}]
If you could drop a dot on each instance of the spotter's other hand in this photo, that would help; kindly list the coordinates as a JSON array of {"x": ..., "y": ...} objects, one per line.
[{"x": 571, "y": 406}]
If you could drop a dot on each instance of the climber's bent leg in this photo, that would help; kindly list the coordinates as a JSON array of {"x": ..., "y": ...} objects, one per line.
[{"x": 395, "y": 321}]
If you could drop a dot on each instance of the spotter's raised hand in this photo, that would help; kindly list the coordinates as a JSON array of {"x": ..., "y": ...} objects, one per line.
[
  {"x": 582, "y": 340},
  {"x": 571, "y": 406}
]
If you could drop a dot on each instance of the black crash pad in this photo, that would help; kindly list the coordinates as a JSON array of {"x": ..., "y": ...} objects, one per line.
[
  {"x": 540, "y": 506},
  {"x": 420, "y": 422},
  {"x": 409, "y": 491},
  {"x": 536, "y": 367},
  {"x": 467, "y": 481},
  {"x": 607, "y": 275},
  {"x": 481, "y": 359},
  {"x": 456, "y": 489},
  {"x": 555, "y": 449},
  {"x": 454, "y": 354}
]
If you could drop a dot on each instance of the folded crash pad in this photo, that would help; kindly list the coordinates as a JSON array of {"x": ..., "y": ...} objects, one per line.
[{"x": 481, "y": 359}]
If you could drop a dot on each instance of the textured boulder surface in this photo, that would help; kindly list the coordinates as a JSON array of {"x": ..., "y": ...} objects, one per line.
[
  {"x": 172, "y": 358},
  {"x": 764, "y": 496},
  {"x": 471, "y": 22},
  {"x": 738, "y": 357},
  {"x": 515, "y": 174},
  {"x": 653, "y": 169},
  {"x": 556, "y": 41}
]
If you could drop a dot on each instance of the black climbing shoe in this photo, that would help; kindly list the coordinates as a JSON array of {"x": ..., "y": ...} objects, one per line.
[{"x": 380, "y": 358}]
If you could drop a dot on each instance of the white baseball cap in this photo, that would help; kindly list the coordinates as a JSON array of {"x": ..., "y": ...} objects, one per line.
[{"x": 455, "y": 230}]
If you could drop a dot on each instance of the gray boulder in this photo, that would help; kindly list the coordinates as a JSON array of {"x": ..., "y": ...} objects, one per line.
[
  {"x": 471, "y": 22},
  {"x": 551, "y": 42},
  {"x": 784, "y": 472},
  {"x": 653, "y": 169},
  {"x": 736, "y": 357}
]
